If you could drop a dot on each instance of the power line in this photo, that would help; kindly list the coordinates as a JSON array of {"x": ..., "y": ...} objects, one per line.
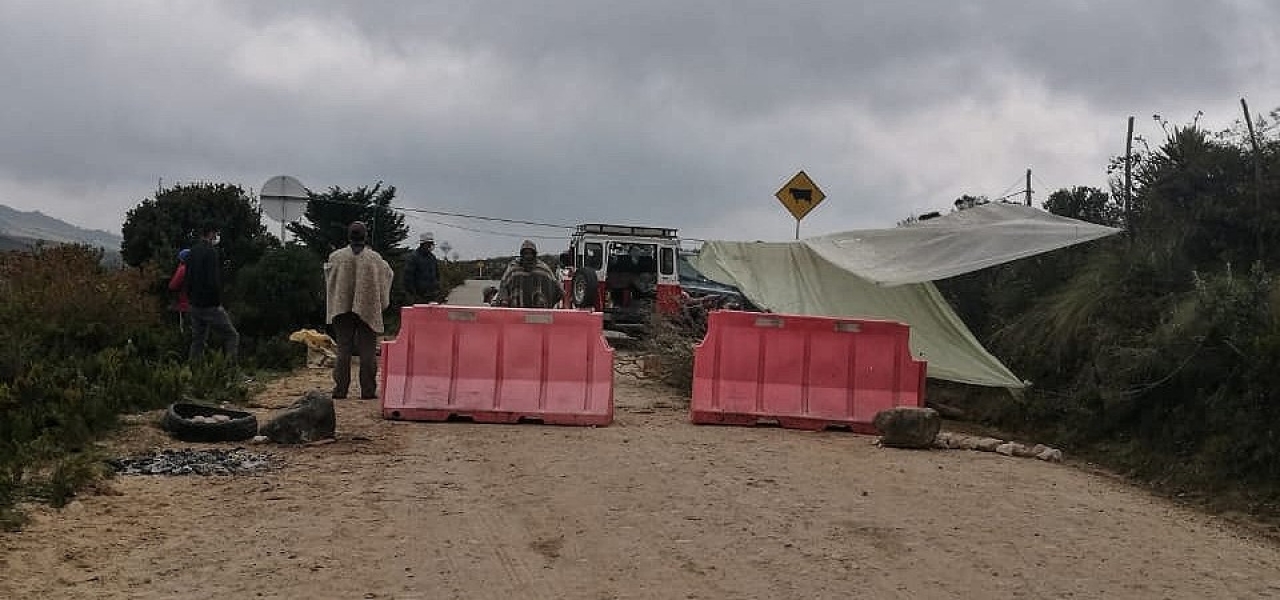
[
  {"x": 1045, "y": 184},
  {"x": 1040, "y": 181},
  {"x": 443, "y": 213},
  {"x": 1006, "y": 194},
  {"x": 480, "y": 217},
  {"x": 409, "y": 209},
  {"x": 490, "y": 231}
]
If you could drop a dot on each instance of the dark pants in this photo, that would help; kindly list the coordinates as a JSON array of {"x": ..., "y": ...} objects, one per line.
[
  {"x": 353, "y": 335},
  {"x": 203, "y": 319}
]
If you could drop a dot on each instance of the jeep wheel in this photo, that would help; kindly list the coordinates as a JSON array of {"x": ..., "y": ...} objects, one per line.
[{"x": 586, "y": 288}]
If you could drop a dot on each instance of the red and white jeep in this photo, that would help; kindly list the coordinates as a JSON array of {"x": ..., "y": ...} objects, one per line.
[{"x": 623, "y": 271}]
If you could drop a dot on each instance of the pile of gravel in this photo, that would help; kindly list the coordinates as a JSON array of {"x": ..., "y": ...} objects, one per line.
[{"x": 188, "y": 461}]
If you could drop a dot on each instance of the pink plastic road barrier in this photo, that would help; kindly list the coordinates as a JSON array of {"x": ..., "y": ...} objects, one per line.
[
  {"x": 498, "y": 365},
  {"x": 802, "y": 372}
]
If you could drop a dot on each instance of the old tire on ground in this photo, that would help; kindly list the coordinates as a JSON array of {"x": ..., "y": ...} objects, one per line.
[
  {"x": 178, "y": 422},
  {"x": 585, "y": 288}
]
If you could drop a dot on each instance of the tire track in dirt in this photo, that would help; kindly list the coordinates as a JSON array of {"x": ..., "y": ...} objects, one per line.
[{"x": 498, "y": 548}]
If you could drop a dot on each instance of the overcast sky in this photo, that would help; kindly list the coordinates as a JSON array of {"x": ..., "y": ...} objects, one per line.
[{"x": 661, "y": 112}]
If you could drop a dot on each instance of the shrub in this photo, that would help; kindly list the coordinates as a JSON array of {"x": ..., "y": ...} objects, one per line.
[
  {"x": 276, "y": 353},
  {"x": 62, "y": 298},
  {"x": 673, "y": 343},
  {"x": 1207, "y": 389},
  {"x": 281, "y": 293},
  {"x": 105, "y": 351},
  {"x": 1179, "y": 389}
]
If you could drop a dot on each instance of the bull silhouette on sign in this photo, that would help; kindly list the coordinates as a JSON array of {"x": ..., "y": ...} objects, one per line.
[{"x": 801, "y": 195}]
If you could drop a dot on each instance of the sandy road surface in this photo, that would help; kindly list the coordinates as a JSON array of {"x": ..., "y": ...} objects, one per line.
[
  {"x": 470, "y": 293},
  {"x": 651, "y": 507}
]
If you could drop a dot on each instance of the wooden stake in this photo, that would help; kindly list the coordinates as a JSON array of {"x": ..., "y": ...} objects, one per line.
[
  {"x": 1128, "y": 178},
  {"x": 1257, "y": 177}
]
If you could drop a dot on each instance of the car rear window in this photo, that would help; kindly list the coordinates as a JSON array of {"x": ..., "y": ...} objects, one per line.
[{"x": 593, "y": 255}]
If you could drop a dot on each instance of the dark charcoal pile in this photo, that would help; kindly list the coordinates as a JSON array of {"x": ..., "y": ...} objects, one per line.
[{"x": 195, "y": 462}]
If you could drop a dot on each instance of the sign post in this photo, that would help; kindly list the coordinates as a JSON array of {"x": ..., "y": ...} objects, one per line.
[{"x": 800, "y": 195}]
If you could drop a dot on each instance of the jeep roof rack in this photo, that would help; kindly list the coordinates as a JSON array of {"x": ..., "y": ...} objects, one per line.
[{"x": 626, "y": 230}]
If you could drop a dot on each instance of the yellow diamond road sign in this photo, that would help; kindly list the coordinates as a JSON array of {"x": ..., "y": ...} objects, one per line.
[{"x": 800, "y": 195}]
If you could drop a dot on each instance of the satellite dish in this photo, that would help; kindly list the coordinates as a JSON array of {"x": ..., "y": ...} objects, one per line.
[{"x": 284, "y": 199}]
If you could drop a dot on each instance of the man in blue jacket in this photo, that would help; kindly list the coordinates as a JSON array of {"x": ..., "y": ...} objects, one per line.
[
  {"x": 422, "y": 272},
  {"x": 203, "y": 283}
]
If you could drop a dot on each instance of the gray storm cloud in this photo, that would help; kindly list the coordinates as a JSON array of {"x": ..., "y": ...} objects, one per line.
[{"x": 672, "y": 113}]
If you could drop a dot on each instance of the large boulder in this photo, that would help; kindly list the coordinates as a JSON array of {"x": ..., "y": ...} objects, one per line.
[
  {"x": 908, "y": 427},
  {"x": 310, "y": 419}
]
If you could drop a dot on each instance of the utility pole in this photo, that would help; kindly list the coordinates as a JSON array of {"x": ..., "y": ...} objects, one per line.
[
  {"x": 1028, "y": 190},
  {"x": 1128, "y": 177},
  {"x": 1257, "y": 176}
]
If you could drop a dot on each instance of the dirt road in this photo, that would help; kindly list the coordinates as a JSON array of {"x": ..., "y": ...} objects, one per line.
[
  {"x": 470, "y": 293},
  {"x": 651, "y": 507}
]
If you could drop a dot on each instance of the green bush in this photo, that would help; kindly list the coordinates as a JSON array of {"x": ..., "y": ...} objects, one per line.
[
  {"x": 63, "y": 299},
  {"x": 1170, "y": 379},
  {"x": 1206, "y": 391},
  {"x": 281, "y": 293},
  {"x": 276, "y": 353},
  {"x": 104, "y": 349},
  {"x": 1148, "y": 352}
]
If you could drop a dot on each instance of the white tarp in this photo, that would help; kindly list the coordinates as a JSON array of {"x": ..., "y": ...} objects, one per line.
[
  {"x": 958, "y": 243},
  {"x": 837, "y": 275}
]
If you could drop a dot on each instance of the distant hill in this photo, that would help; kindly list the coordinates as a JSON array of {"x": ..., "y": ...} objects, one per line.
[{"x": 21, "y": 230}]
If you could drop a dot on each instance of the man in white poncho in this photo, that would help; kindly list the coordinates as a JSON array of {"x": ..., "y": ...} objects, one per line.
[
  {"x": 357, "y": 290},
  {"x": 528, "y": 282}
]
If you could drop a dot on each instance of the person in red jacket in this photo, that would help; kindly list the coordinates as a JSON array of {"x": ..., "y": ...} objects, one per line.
[{"x": 177, "y": 283}]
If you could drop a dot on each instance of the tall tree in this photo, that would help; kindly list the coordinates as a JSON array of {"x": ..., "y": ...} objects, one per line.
[
  {"x": 329, "y": 214},
  {"x": 158, "y": 227},
  {"x": 969, "y": 201},
  {"x": 1086, "y": 204},
  {"x": 1193, "y": 196}
]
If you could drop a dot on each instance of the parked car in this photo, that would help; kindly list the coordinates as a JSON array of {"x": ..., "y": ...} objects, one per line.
[{"x": 694, "y": 283}]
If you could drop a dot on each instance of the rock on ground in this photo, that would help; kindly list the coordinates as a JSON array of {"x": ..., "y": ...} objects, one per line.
[
  {"x": 310, "y": 419},
  {"x": 908, "y": 427}
]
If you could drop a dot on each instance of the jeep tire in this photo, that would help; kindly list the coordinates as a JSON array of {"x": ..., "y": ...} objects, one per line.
[{"x": 585, "y": 288}]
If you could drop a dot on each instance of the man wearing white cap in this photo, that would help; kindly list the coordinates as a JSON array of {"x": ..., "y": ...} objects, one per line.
[{"x": 422, "y": 273}]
